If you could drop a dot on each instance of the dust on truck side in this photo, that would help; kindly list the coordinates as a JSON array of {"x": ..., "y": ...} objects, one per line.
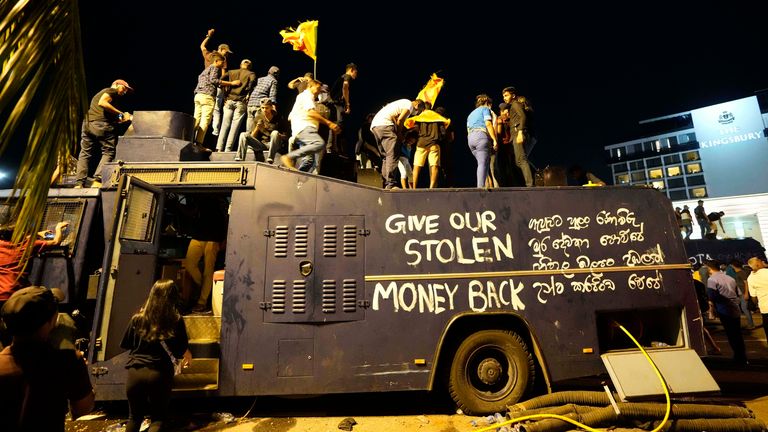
[{"x": 335, "y": 287}]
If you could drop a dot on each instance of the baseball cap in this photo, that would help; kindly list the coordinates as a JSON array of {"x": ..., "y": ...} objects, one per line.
[
  {"x": 225, "y": 47},
  {"x": 122, "y": 83},
  {"x": 266, "y": 101},
  {"x": 28, "y": 309}
]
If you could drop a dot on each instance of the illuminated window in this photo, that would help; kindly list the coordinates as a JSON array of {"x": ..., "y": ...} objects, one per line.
[
  {"x": 674, "y": 171},
  {"x": 691, "y": 156},
  {"x": 638, "y": 176},
  {"x": 693, "y": 168},
  {"x": 699, "y": 192},
  {"x": 655, "y": 173},
  {"x": 659, "y": 184},
  {"x": 622, "y": 179}
]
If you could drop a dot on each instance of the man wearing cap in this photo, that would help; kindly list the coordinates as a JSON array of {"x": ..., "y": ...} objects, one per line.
[
  {"x": 269, "y": 133},
  {"x": 100, "y": 128},
  {"x": 266, "y": 87},
  {"x": 207, "y": 61},
  {"x": 37, "y": 380},
  {"x": 234, "y": 106}
]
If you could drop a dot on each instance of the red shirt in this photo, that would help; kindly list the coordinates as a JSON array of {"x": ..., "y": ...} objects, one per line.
[{"x": 11, "y": 267}]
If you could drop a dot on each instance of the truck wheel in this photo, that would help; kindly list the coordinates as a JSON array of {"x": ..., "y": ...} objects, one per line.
[{"x": 490, "y": 370}]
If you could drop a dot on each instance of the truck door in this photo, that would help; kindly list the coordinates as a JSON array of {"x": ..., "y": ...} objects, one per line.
[
  {"x": 315, "y": 269},
  {"x": 130, "y": 262}
]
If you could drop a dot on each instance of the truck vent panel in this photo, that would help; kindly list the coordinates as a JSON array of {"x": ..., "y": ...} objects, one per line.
[
  {"x": 349, "y": 295},
  {"x": 350, "y": 240},
  {"x": 329, "y": 240},
  {"x": 278, "y": 296},
  {"x": 329, "y": 296},
  {"x": 299, "y": 297},
  {"x": 301, "y": 242},
  {"x": 281, "y": 241}
]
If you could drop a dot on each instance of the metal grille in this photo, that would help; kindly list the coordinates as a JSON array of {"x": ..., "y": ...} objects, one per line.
[
  {"x": 278, "y": 296},
  {"x": 151, "y": 175},
  {"x": 350, "y": 240},
  {"x": 70, "y": 211},
  {"x": 329, "y": 240},
  {"x": 329, "y": 296},
  {"x": 349, "y": 295},
  {"x": 175, "y": 174},
  {"x": 300, "y": 245},
  {"x": 208, "y": 175},
  {"x": 299, "y": 297},
  {"x": 139, "y": 218},
  {"x": 281, "y": 241}
]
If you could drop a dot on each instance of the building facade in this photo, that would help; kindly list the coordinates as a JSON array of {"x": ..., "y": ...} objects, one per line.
[{"x": 718, "y": 154}]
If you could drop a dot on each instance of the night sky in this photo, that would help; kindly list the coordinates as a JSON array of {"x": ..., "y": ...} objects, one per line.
[{"x": 591, "y": 72}]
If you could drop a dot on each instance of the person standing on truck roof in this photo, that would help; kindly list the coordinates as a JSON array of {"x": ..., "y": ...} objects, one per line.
[
  {"x": 481, "y": 136},
  {"x": 685, "y": 215},
  {"x": 701, "y": 219},
  {"x": 305, "y": 121},
  {"x": 208, "y": 59},
  {"x": 155, "y": 332},
  {"x": 722, "y": 291},
  {"x": 715, "y": 217},
  {"x": 387, "y": 127},
  {"x": 39, "y": 382},
  {"x": 100, "y": 127}
]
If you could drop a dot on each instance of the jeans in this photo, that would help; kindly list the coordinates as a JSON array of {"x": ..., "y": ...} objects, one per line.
[
  {"x": 252, "y": 111},
  {"x": 217, "y": 110},
  {"x": 386, "y": 139},
  {"x": 203, "y": 109},
  {"x": 745, "y": 311},
  {"x": 247, "y": 141},
  {"x": 93, "y": 133},
  {"x": 311, "y": 145},
  {"x": 704, "y": 226},
  {"x": 479, "y": 143},
  {"x": 234, "y": 111}
]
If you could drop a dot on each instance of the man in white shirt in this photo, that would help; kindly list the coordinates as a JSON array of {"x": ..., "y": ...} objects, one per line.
[
  {"x": 304, "y": 123},
  {"x": 758, "y": 287},
  {"x": 387, "y": 127}
]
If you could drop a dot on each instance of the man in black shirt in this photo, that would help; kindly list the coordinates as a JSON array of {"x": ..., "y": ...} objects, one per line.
[
  {"x": 701, "y": 219},
  {"x": 100, "y": 128},
  {"x": 341, "y": 104}
]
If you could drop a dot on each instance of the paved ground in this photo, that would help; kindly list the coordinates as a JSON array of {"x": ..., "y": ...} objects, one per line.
[{"x": 419, "y": 411}]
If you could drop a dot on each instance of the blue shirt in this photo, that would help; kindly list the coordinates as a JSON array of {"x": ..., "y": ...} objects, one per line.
[
  {"x": 478, "y": 117},
  {"x": 721, "y": 289}
]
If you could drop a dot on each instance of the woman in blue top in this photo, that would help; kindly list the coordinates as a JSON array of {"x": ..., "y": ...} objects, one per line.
[{"x": 480, "y": 135}]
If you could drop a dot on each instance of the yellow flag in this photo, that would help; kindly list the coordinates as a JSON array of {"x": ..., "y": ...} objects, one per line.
[
  {"x": 431, "y": 90},
  {"x": 427, "y": 116},
  {"x": 304, "y": 38}
]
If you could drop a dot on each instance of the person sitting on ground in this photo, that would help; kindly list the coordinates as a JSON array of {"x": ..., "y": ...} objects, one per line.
[{"x": 38, "y": 381}]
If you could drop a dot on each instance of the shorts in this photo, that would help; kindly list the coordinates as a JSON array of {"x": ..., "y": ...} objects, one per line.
[{"x": 433, "y": 152}]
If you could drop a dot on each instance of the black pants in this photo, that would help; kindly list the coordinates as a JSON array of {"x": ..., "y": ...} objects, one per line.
[
  {"x": 149, "y": 393},
  {"x": 732, "y": 327}
]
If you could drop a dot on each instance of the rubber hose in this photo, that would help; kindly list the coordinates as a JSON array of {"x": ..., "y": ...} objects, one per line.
[
  {"x": 719, "y": 425},
  {"x": 596, "y": 417},
  {"x": 592, "y": 398},
  {"x": 560, "y": 410},
  {"x": 682, "y": 411}
]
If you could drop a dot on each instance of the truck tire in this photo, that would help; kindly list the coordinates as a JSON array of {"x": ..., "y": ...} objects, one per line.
[{"x": 490, "y": 370}]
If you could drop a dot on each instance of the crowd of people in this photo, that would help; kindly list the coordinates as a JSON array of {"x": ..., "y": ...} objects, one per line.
[{"x": 228, "y": 100}]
